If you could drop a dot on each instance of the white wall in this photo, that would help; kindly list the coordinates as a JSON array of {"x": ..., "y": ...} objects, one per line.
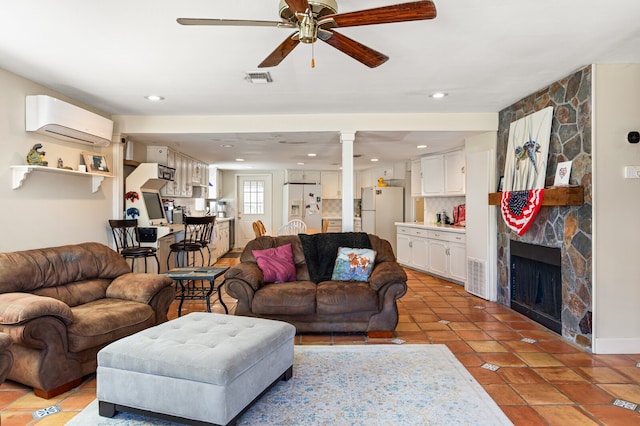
[
  {"x": 616, "y": 205},
  {"x": 49, "y": 209},
  {"x": 481, "y": 234}
]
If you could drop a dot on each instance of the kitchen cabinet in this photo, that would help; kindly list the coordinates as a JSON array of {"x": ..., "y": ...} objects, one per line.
[
  {"x": 416, "y": 179},
  {"x": 412, "y": 247},
  {"x": 335, "y": 225},
  {"x": 443, "y": 174},
  {"x": 302, "y": 176},
  {"x": 447, "y": 255},
  {"x": 215, "y": 183},
  {"x": 454, "y": 173},
  {"x": 220, "y": 239},
  {"x": 331, "y": 182},
  {"x": 432, "y": 168},
  {"x": 189, "y": 172}
]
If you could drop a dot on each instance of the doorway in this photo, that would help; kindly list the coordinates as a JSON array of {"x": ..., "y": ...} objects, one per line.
[{"x": 254, "y": 203}]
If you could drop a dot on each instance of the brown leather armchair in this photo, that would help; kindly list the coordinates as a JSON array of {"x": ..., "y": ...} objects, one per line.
[
  {"x": 61, "y": 305},
  {"x": 323, "y": 306}
]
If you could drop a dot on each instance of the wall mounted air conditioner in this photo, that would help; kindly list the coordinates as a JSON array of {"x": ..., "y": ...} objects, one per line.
[{"x": 62, "y": 120}]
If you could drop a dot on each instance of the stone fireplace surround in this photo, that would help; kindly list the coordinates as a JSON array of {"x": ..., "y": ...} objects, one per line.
[{"x": 564, "y": 227}]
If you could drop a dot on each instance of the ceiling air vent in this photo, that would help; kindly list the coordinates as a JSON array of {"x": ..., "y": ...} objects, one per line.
[{"x": 259, "y": 77}]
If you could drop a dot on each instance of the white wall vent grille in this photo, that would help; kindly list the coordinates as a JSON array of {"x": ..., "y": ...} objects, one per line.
[{"x": 477, "y": 278}]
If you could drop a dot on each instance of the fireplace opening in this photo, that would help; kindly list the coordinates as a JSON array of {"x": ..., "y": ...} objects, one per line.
[{"x": 536, "y": 283}]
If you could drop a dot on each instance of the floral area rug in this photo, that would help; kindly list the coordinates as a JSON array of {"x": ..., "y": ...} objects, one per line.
[{"x": 361, "y": 385}]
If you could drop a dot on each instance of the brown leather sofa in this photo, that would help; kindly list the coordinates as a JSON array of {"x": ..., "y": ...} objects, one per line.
[
  {"x": 6, "y": 357},
  {"x": 324, "y": 306},
  {"x": 61, "y": 305}
]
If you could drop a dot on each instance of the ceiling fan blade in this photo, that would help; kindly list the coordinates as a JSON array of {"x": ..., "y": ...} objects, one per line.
[
  {"x": 235, "y": 22},
  {"x": 414, "y": 11},
  {"x": 357, "y": 51},
  {"x": 297, "y": 6},
  {"x": 281, "y": 52}
]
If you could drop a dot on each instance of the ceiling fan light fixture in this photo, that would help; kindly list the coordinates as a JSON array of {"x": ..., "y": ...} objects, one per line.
[{"x": 258, "y": 77}]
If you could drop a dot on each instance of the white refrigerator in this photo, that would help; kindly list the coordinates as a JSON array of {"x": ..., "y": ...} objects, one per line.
[
  {"x": 303, "y": 201},
  {"x": 382, "y": 206}
]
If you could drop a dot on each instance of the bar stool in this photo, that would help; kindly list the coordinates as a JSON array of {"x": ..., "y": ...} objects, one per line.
[
  {"x": 126, "y": 236},
  {"x": 198, "y": 231}
]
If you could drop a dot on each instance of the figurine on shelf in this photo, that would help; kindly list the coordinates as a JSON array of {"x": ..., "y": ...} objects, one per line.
[
  {"x": 61, "y": 164},
  {"x": 35, "y": 157},
  {"x": 381, "y": 182}
]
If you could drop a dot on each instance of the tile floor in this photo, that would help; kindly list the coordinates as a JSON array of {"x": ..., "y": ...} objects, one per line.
[{"x": 541, "y": 380}]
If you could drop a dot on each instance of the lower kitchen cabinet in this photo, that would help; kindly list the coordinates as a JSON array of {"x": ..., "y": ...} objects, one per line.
[
  {"x": 220, "y": 240},
  {"x": 447, "y": 255},
  {"x": 441, "y": 252},
  {"x": 412, "y": 247}
]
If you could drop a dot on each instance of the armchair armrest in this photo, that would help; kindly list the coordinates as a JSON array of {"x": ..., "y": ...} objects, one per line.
[
  {"x": 138, "y": 287},
  {"x": 248, "y": 272},
  {"x": 386, "y": 272},
  {"x": 18, "y": 308}
]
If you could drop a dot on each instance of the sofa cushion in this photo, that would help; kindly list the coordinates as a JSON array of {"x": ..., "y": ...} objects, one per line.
[
  {"x": 343, "y": 297},
  {"x": 353, "y": 264},
  {"x": 77, "y": 293},
  {"x": 291, "y": 298},
  {"x": 103, "y": 321},
  {"x": 276, "y": 264}
]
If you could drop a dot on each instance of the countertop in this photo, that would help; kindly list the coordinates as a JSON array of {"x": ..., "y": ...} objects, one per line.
[
  {"x": 224, "y": 219},
  {"x": 433, "y": 226}
]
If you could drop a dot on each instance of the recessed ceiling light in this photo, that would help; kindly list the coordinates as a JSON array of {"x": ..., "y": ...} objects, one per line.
[
  {"x": 421, "y": 146},
  {"x": 374, "y": 159},
  {"x": 438, "y": 95},
  {"x": 239, "y": 159},
  {"x": 311, "y": 154},
  {"x": 300, "y": 164},
  {"x": 226, "y": 145},
  {"x": 154, "y": 98}
]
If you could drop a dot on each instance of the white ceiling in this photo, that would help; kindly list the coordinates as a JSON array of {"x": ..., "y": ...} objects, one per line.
[{"x": 485, "y": 55}]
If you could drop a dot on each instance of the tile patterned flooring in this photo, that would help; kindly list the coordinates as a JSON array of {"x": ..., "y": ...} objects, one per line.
[{"x": 542, "y": 380}]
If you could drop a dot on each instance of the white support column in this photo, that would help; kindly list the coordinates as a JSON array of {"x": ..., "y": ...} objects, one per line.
[{"x": 347, "y": 139}]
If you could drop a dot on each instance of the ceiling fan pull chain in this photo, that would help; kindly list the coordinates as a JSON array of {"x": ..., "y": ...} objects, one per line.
[{"x": 313, "y": 60}]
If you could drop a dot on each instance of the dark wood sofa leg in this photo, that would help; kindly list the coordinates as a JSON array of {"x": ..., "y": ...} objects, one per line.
[{"x": 57, "y": 391}]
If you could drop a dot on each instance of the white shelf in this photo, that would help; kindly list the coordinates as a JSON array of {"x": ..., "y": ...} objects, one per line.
[{"x": 20, "y": 174}]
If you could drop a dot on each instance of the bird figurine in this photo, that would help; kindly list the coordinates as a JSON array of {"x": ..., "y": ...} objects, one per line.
[
  {"x": 381, "y": 182},
  {"x": 35, "y": 157}
]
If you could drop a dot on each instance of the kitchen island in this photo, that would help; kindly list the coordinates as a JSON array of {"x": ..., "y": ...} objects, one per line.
[{"x": 438, "y": 250}]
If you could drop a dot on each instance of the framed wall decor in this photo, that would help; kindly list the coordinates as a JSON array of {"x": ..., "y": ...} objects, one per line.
[{"x": 97, "y": 163}]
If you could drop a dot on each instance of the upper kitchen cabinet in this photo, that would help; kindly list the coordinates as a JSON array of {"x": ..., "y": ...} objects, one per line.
[
  {"x": 416, "y": 179},
  {"x": 302, "y": 176},
  {"x": 189, "y": 172},
  {"x": 215, "y": 183},
  {"x": 331, "y": 182},
  {"x": 443, "y": 174}
]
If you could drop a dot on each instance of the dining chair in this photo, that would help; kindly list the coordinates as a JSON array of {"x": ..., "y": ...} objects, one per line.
[
  {"x": 293, "y": 227},
  {"x": 259, "y": 229}
]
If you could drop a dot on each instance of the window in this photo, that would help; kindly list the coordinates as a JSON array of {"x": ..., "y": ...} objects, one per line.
[{"x": 253, "y": 197}]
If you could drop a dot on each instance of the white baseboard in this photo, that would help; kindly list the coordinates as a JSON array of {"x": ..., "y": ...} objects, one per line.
[{"x": 617, "y": 346}]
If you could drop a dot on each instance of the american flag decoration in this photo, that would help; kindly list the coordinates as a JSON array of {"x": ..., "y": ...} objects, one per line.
[{"x": 519, "y": 208}]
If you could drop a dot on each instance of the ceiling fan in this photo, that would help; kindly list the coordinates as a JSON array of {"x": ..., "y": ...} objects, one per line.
[{"x": 317, "y": 19}]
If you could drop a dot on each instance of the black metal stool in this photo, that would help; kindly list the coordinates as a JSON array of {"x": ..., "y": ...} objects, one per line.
[{"x": 126, "y": 236}]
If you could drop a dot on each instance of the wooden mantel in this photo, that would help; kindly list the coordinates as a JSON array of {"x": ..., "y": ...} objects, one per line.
[{"x": 565, "y": 196}]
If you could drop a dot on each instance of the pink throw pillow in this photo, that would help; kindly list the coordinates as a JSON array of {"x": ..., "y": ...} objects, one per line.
[{"x": 276, "y": 264}]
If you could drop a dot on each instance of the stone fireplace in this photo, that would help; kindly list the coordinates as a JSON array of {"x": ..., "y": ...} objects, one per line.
[{"x": 564, "y": 228}]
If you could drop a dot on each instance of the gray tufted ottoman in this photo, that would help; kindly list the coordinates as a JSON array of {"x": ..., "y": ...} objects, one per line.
[{"x": 204, "y": 367}]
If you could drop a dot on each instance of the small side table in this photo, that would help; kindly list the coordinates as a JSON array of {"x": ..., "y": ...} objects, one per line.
[{"x": 198, "y": 292}]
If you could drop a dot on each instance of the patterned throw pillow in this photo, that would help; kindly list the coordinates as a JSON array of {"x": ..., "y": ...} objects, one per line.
[
  {"x": 276, "y": 264},
  {"x": 353, "y": 264}
]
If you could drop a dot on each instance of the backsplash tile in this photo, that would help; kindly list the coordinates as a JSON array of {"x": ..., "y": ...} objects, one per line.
[{"x": 435, "y": 205}]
